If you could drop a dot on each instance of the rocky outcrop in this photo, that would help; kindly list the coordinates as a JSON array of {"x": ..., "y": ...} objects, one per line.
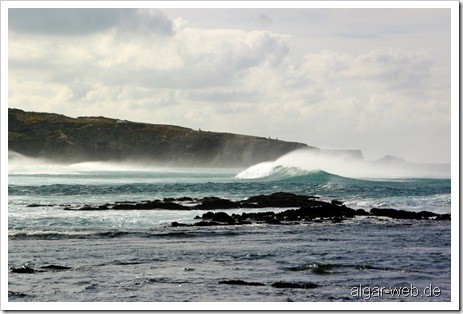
[
  {"x": 66, "y": 139},
  {"x": 306, "y": 208}
]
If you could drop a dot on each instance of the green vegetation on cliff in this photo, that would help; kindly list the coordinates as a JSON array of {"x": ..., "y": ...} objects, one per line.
[{"x": 66, "y": 139}]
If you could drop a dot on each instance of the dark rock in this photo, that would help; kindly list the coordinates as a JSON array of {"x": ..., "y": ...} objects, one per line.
[
  {"x": 39, "y": 205},
  {"x": 324, "y": 210},
  {"x": 402, "y": 214},
  {"x": 336, "y": 202},
  {"x": 208, "y": 223},
  {"x": 443, "y": 217},
  {"x": 168, "y": 199},
  {"x": 23, "y": 270},
  {"x": 151, "y": 205},
  {"x": 240, "y": 283},
  {"x": 216, "y": 203},
  {"x": 361, "y": 212},
  {"x": 16, "y": 294},
  {"x": 89, "y": 208},
  {"x": 219, "y": 217},
  {"x": 292, "y": 285},
  {"x": 55, "y": 267},
  {"x": 177, "y": 224},
  {"x": 280, "y": 199},
  {"x": 184, "y": 199}
]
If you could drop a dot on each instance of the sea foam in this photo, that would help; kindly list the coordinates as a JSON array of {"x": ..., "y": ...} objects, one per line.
[{"x": 302, "y": 162}]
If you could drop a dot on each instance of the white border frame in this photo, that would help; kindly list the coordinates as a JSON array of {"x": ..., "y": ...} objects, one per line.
[{"x": 455, "y": 158}]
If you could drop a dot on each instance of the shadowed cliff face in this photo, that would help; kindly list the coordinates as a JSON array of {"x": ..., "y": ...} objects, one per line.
[{"x": 66, "y": 139}]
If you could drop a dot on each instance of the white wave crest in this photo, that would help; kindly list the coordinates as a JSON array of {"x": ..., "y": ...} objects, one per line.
[{"x": 297, "y": 162}]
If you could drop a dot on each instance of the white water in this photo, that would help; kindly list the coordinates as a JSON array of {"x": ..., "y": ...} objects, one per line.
[{"x": 306, "y": 161}]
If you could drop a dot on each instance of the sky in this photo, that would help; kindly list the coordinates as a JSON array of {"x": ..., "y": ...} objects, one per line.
[{"x": 377, "y": 80}]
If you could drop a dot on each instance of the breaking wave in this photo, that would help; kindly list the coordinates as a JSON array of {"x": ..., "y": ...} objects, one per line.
[{"x": 304, "y": 162}]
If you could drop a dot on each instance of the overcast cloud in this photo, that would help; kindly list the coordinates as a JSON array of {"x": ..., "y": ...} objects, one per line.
[{"x": 371, "y": 79}]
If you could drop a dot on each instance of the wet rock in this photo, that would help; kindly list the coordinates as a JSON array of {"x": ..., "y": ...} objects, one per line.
[
  {"x": 89, "y": 208},
  {"x": 280, "y": 199},
  {"x": 219, "y": 217},
  {"x": 156, "y": 204},
  {"x": 240, "y": 283},
  {"x": 55, "y": 267},
  {"x": 184, "y": 199},
  {"x": 402, "y": 214},
  {"x": 40, "y": 205},
  {"x": 293, "y": 285},
  {"x": 208, "y": 223},
  {"x": 216, "y": 203},
  {"x": 23, "y": 270},
  {"x": 177, "y": 224},
  {"x": 336, "y": 202},
  {"x": 361, "y": 212},
  {"x": 16, "y": 294},
  {"x": 443, "y": 217}
]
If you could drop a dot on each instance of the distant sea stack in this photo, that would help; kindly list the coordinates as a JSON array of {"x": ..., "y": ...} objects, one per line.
[{"x": 64, "y": 139}]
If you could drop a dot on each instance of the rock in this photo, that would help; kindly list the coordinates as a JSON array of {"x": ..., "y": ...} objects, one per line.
[
  {"x": 177, "y": 224},
  {"x": 216, "y": 203},
  {"x": 151, "y": 205},
  {"x": 240, "y": 283},
  {"x": 23, "y": 270},
  {"x": 55, "y": 267},
  {"x": 208, "y": 223},
  {"x": 443, "y": 217},
  {"x": 219, "y": 217},
  {"x": 184, "y": 199},
  {"x": 292, "y": 285},
  {"x": 16, "y": 294},
  {"x": 39, "y": 205},
  {"x": 280, "y": 199},
  {"x": 402, "y": 214},
  {"x": 336, "y": 202}
]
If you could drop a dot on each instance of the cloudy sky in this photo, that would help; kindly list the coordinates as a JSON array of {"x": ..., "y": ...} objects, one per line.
[{"x": 371, "y": 79}]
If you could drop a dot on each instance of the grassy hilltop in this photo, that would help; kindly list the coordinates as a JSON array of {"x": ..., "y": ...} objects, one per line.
[{"x": 66, "y": 139}]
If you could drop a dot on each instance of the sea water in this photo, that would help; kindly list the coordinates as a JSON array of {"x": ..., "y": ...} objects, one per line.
[{"x": 137, "y": 255}]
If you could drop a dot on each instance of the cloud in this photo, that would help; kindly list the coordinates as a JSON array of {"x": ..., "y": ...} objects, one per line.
[
  {"x": 395, "y": 68},
  {"x": 80, "y": 22},
  {"x": 144, "y": 66}
]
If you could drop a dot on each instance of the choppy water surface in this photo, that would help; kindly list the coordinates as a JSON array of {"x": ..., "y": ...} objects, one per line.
[{"x": 137, "y": 256}]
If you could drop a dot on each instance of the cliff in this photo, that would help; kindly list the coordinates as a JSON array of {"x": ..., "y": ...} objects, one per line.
[{"x": 66, "y": 139}]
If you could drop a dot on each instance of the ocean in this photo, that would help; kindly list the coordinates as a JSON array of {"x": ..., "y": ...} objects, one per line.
[{"x": 137, "y": 256}]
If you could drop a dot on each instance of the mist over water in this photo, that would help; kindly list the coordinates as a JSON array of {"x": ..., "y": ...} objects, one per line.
[
  {"x": 303, "y": 162},
  {"x": 20, "y": 164},
  {"x": 293, "y": 164}
]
